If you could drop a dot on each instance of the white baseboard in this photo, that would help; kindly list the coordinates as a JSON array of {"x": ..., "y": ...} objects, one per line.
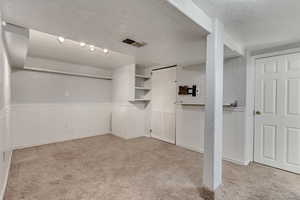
[
  {"x": 239, "y": 162},
  {"x": 190, "y": 148},
  {"x": 2, "y": 192},
  {"x": 163, "y": 139},
  {"x": 235, "y": 161}
]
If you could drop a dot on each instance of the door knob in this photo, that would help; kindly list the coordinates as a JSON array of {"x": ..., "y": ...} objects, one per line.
[{"x": 258, "y": 113}]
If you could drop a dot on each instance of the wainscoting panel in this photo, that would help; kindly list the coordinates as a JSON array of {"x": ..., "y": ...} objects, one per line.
[
  {"x": 129, "y": 121},
  {"x": 190, "y": 127},
  {"x": 36, "y": 124}
]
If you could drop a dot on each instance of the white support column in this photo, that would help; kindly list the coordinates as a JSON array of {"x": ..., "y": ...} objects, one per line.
[{"x": 213, "y": 137}]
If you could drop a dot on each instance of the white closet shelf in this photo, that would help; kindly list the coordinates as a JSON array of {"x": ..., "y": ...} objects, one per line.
[
  {"x": 141, "y": 100},
  {"x": 142, "y": 88},
  {"x": 67, "y": 73},
  {"x": 142, "y": 76}
]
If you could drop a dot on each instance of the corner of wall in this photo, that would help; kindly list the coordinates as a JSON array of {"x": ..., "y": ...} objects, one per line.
[
  {"x": 6, "y": 152},
  {"x": 249, "y": 119}
]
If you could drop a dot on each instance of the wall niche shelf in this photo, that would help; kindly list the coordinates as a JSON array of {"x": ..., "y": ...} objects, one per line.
[
  {"x": 141, "y": 100},
  {"x": 142, "y": 88},
  {"x": 142, "y": 76},
  {"x": 140, "y": 84}
]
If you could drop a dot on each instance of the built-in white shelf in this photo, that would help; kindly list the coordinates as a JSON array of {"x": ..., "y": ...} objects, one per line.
[
  {"x": 142, "y": 88},
  {"x": 142, "y": 76},
  {"x": 139, "y": 84},
  {"x": 67, "y": 73},
  {"x": 141, "y": 99}
]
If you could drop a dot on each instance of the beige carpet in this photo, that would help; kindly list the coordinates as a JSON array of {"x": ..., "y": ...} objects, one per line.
[{"x": 109, "y": 168}]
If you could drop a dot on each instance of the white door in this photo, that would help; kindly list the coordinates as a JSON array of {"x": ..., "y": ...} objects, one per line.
[
  {"x": 163, "y": 104},
  {"x": 277, "y": 104}
]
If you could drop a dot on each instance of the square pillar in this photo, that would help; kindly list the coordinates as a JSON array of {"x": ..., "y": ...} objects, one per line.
[{"x": 213, "y": 137}]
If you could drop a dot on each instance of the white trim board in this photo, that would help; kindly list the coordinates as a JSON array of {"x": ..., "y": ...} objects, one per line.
[
  {"x": 234, "y": 45},
  {"x": 66, "y": 73},
  {"x": 235, "y": 161},
  {"x": 276, "y": 53},
  {"x": 162, "y": 139}
]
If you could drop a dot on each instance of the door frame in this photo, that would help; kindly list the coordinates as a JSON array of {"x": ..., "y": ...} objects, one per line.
[{"x": 250, "y": 95}]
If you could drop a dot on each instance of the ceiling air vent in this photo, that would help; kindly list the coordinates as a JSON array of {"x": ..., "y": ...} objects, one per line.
[{"x": 134, "y": 43}]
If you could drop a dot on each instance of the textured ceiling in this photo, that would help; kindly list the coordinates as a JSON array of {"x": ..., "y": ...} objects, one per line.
[
  {"x": 44, "y": 45},
  {"x": 171, "y": 37},
  {"x": 257, "y": 23}
]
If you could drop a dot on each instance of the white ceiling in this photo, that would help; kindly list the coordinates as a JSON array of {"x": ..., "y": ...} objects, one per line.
[
  {"x": 44, "y": 45},
  {"x": 257, "y": 23},
  {"x": 170, "y": 36}
]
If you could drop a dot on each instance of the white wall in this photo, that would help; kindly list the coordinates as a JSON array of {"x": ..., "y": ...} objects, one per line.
[
  {"x": 190, "y": 124},
  {"x": 190, "y": 120},
  {"x": 129, "y": 120},
  {"x": 39, "y": 87},
  {"x": 121, "y": 79},
  {"x": 35, "y": 124},
  {"x": 234, "y": 81},
  {"x": 50, "y": 107},
  {"x": 5, "y": 143}
]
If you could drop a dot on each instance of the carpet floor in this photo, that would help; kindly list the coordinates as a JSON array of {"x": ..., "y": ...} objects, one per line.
[{"x": 110, "y": 168}]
